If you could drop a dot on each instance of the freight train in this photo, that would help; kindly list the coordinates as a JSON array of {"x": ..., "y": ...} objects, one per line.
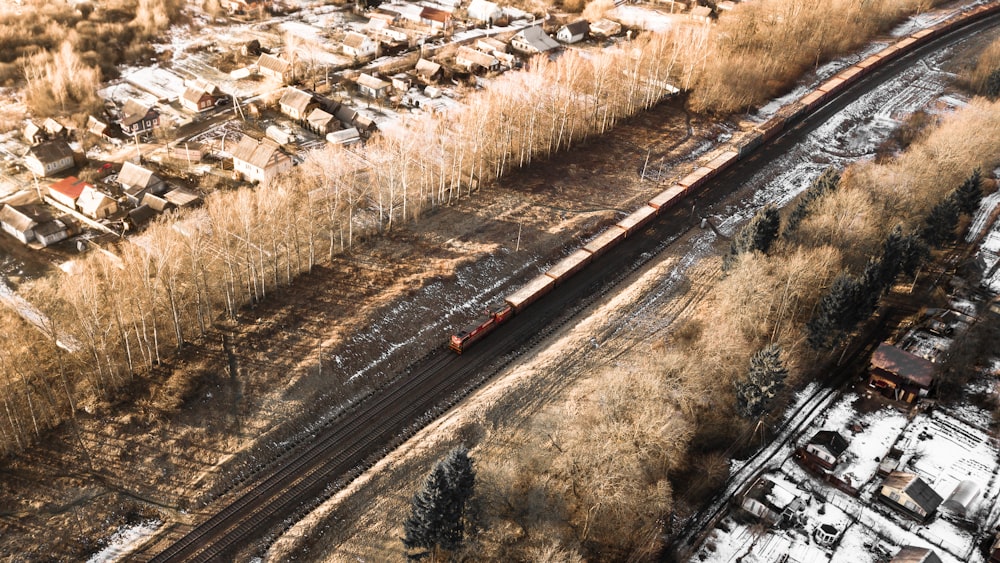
[{"x": 739, "y": 147}]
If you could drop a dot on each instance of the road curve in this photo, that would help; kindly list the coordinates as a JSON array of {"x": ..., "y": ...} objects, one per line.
[{"x": 341, "y": 450}]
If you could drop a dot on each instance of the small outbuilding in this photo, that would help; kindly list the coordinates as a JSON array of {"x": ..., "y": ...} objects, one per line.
[
  {"x": 373, "y": 87},
  {"x": 321, "y": 122},
  {"x": 770, "y": 502},
  {"x": 962, "y": 499},
  {"x": 96, "y": 204}
]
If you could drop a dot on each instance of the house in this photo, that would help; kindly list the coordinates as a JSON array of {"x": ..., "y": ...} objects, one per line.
[
  {"x": 573, "y": 32},
  {"x": 67, "y": 191},
  {"x": 18, "y": 222},
  {"x": 962, "y": 498},
  {"x": 97, "y": 127},
  {"x": 95, "y": 204},
  {"x": 386, "y": 18},
  {"x": 484, "y": 11},
  {"x": 137, "y": 181},
  {"x": 49, "y": 158},
  {"x": 275, "y": 68},
  {"x": 321, "y": 122},
  {"x": 347, "y": 136},
  {"x": 372, "y": 87},
  {"x": 605, "y": 28},
  {"x": 701, "y": 14},
  {"x": 296, "y": 104},
  {"x": 825, "y": 449},
  {"x": 770, "y": 502},
  {"x": 259, "y": 160},
  {"x": 909, "y": 494},
  {"x": 900, "y": 375},
  {"x": 359, "y": 46},
  {"x": 138, "y": 119},
  {"x": 911, "y": 554},
  {"x": 427, "y": 71},
  {"x": 532, "y": 40},
  {"x": 472, "y": 60},
  {"x": 436, "y": 19},
  {"x": 197, "y": 100}
]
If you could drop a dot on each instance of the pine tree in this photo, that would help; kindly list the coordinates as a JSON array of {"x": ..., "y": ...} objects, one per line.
[
  {"x": 838, "y": 313},
  {"x": 757, "y": 235},
  {"x": 940, "y": 225},
  {"x": 993, "y": 84},
  {"x": 437, "y": 518},
  {"x": 970, "y": 193},
  {"x": 825, "y": 183},
  {"x": 765, "y": 380}
]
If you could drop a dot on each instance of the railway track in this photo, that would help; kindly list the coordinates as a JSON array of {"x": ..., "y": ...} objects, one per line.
[{"x": 347, "y": 445}]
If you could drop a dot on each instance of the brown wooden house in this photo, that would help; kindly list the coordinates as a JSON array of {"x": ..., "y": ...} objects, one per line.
[{"x": 900, "y": 375}]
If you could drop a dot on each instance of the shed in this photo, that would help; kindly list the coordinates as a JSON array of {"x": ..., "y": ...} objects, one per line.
[
  {"x": 182, "y": 198},
  {"x": 156, "y": 203},
  {"x": 344, "y": 136},
  {"x": 33, "y": 133},
  {"x": 53, "y": 127},
  {"x": 911, "y": 554},
  {"x": 962, "y": 498},
  {"x": 605, "y": 28},
  {"x": 701, "y": 14},
  {"x": 51, "y": 232}
]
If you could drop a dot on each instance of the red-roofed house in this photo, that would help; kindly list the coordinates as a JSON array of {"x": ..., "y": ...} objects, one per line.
[{"x": 67, "y": 191}]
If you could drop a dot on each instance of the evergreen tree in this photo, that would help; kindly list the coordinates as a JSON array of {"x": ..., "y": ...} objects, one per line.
[
  {"x": 765, "y": 379},
  {"x": 838, "y": 313},
  {"x": 437, "y": 518},
  {"x": 940, "y": 225},
  {"x": 757, "y": 235},
  {"x": 970, "y": 193},
  {"x": 825, "y": 183},
  {"x": 993, "y": 84}
]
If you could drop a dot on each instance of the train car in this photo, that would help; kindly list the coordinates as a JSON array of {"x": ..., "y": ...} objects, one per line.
[
  {"x": 889, "y": 53},
  {"x": 906, "y": 43},
  {"x": 667, "y": 198},
  {"x": 530, "y": 292},
  {"x": 605, "y": 240},
  {"x": 791, "y": 112},
  {"x": 770, "y": 128},
  {"x": 569, "y": 265},
  {"x": 813, "y": 100},
  {"x": 696, "y": 178},
  {"x": 923, "y": 34},
  {"x": 723, "y": 161},
  {"x": 870, "y": 63},
  {"x": 748, "y": 142},
  {"x": 849, "y": 75},
  {"x": 463, "y": 339},
  {"x": 832, "y": 86},
  {"x": 637, "y": 219}
]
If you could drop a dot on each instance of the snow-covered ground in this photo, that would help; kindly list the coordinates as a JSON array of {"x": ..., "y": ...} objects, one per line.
[{"x": 124, "y": 541}]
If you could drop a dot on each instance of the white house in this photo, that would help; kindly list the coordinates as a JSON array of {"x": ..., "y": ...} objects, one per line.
[
  {"x": 95, "y": 204},
  {"x": 573, "y": 32},
  {"x": 372, "y": 87},
  {"x": 359, "y": 45},
  {"x": 259, "y": 161},
  {"x": 49, "y": 158}
]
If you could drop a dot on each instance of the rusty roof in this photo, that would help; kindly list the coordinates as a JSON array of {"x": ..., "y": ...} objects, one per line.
[{"x": 903, "y": 364}]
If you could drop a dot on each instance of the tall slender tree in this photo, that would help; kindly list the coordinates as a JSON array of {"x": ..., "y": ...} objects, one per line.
[{"x": 765, "y": 379}]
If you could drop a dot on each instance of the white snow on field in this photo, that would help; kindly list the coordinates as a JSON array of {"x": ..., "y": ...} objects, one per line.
[
  {"x": 124, "y": 541},
  {"x": 160, "y": 83},
  {"x": 867, "y": 448}
]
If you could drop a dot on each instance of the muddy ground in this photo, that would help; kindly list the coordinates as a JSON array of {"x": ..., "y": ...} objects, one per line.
[{"x": 136, "y": 461}]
